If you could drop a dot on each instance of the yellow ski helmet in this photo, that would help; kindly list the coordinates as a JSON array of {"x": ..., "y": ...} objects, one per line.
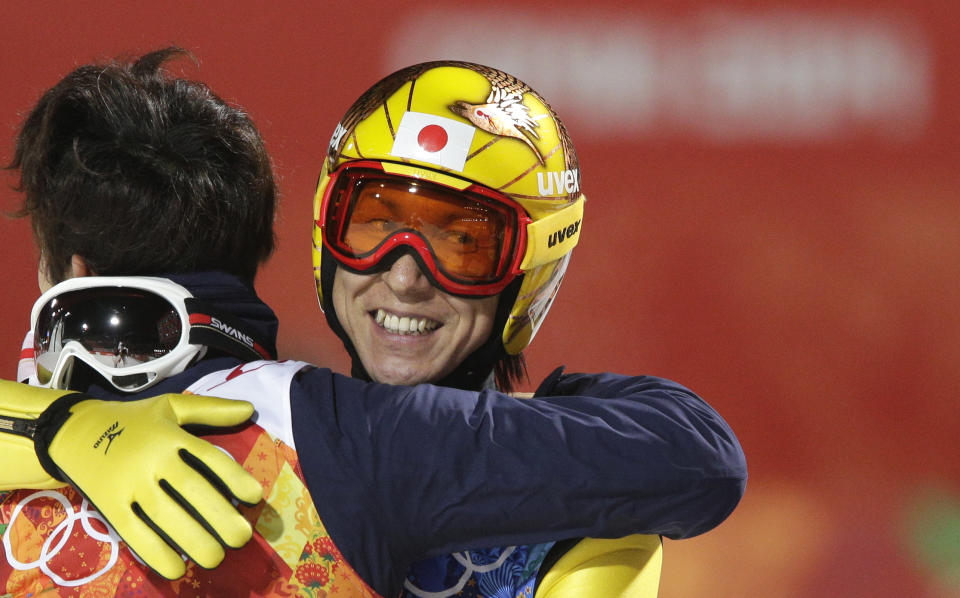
[{"x": 457, "y": 124}]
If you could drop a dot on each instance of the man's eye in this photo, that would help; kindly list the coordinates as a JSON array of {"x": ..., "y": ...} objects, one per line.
[
  {"x": 465, "y": 241},
  {"x": 382, "y": 224}
]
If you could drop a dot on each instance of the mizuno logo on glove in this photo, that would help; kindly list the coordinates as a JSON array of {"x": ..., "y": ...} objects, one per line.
[{"x": 109, "y": 435}]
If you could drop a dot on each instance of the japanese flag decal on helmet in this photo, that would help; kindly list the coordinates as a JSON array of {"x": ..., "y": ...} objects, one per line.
[{"x": 486, "y": 126}]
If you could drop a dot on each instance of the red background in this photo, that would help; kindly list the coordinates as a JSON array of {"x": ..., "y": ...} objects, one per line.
[{"x": 772, "y": 220}]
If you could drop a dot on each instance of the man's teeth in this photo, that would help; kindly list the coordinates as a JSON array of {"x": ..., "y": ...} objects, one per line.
[{"x": 403, "y": 324}]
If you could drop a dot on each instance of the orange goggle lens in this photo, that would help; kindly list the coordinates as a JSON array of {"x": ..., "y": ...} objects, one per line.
[{"x": 470, "y": 241}]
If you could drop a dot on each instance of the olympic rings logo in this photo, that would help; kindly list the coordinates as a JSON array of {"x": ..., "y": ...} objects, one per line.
[
  {"x": 63, "y": 531},
  {"x": 469, "y": 569}
]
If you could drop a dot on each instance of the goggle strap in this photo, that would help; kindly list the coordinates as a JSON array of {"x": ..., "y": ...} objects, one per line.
[
  {"x": 553, "y": 236},
  {"x": 219, "y": 330}
]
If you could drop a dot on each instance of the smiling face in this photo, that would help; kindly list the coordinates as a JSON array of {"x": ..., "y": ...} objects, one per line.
[{"x": 405, "y": 330}]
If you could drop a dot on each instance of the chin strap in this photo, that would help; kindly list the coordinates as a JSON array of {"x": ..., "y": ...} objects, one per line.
[{"x": 476, "y": 371}]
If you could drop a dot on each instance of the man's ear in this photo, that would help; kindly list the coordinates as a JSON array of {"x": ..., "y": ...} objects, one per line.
[{"x": 80, "y": 267}]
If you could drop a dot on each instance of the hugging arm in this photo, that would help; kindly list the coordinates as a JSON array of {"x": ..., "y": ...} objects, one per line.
[{"x": 432, "y": 470}]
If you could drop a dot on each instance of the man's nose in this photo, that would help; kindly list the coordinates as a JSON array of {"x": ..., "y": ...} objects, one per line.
[{"x": 406, "y": 279}]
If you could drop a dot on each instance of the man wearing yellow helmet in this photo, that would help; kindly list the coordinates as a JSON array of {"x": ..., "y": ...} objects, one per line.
[
  {"x": 445, "y": 215},
  {"x": 496, "y": 212}
]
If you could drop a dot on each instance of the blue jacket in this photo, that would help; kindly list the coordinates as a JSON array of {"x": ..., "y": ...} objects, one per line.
[{"x": 402, "y": 473}]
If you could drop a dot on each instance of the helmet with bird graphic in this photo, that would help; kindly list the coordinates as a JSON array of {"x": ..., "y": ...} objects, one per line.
[{"x": 493, "y": 150}]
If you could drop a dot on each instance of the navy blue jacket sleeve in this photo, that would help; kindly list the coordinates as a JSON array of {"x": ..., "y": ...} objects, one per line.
[{"x": 399, "y": 473}]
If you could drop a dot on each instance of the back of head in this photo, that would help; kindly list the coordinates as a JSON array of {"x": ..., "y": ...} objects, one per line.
[{"x": 140, "y": 173}]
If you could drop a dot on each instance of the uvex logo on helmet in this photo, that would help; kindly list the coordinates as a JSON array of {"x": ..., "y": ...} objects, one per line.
[
  {"x": 553, "y": 182},
  {"x": 337, "y": 137},
  {"x": 563, "y": 234}
]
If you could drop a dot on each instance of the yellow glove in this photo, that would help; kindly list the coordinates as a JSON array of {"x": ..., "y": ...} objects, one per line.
[
  {"x": 626, "y": 567},
  {"x": 161, "y": 488},
  {"x": 20, "y": 406}
]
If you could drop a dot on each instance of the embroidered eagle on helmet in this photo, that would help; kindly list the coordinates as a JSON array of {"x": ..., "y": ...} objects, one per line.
[{"x": 503, "y": 114}]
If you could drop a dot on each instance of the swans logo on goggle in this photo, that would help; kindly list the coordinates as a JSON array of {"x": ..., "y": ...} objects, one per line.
[
  {"x": 225, "y": 329},
  {"x": 230, "y": 330}
]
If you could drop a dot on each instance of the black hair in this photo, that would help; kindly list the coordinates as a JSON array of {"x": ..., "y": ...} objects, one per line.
[{"x": 141, "y": 173}]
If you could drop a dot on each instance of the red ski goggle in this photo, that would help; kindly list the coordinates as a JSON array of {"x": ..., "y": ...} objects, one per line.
[{"x": 469, "y": 240}]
